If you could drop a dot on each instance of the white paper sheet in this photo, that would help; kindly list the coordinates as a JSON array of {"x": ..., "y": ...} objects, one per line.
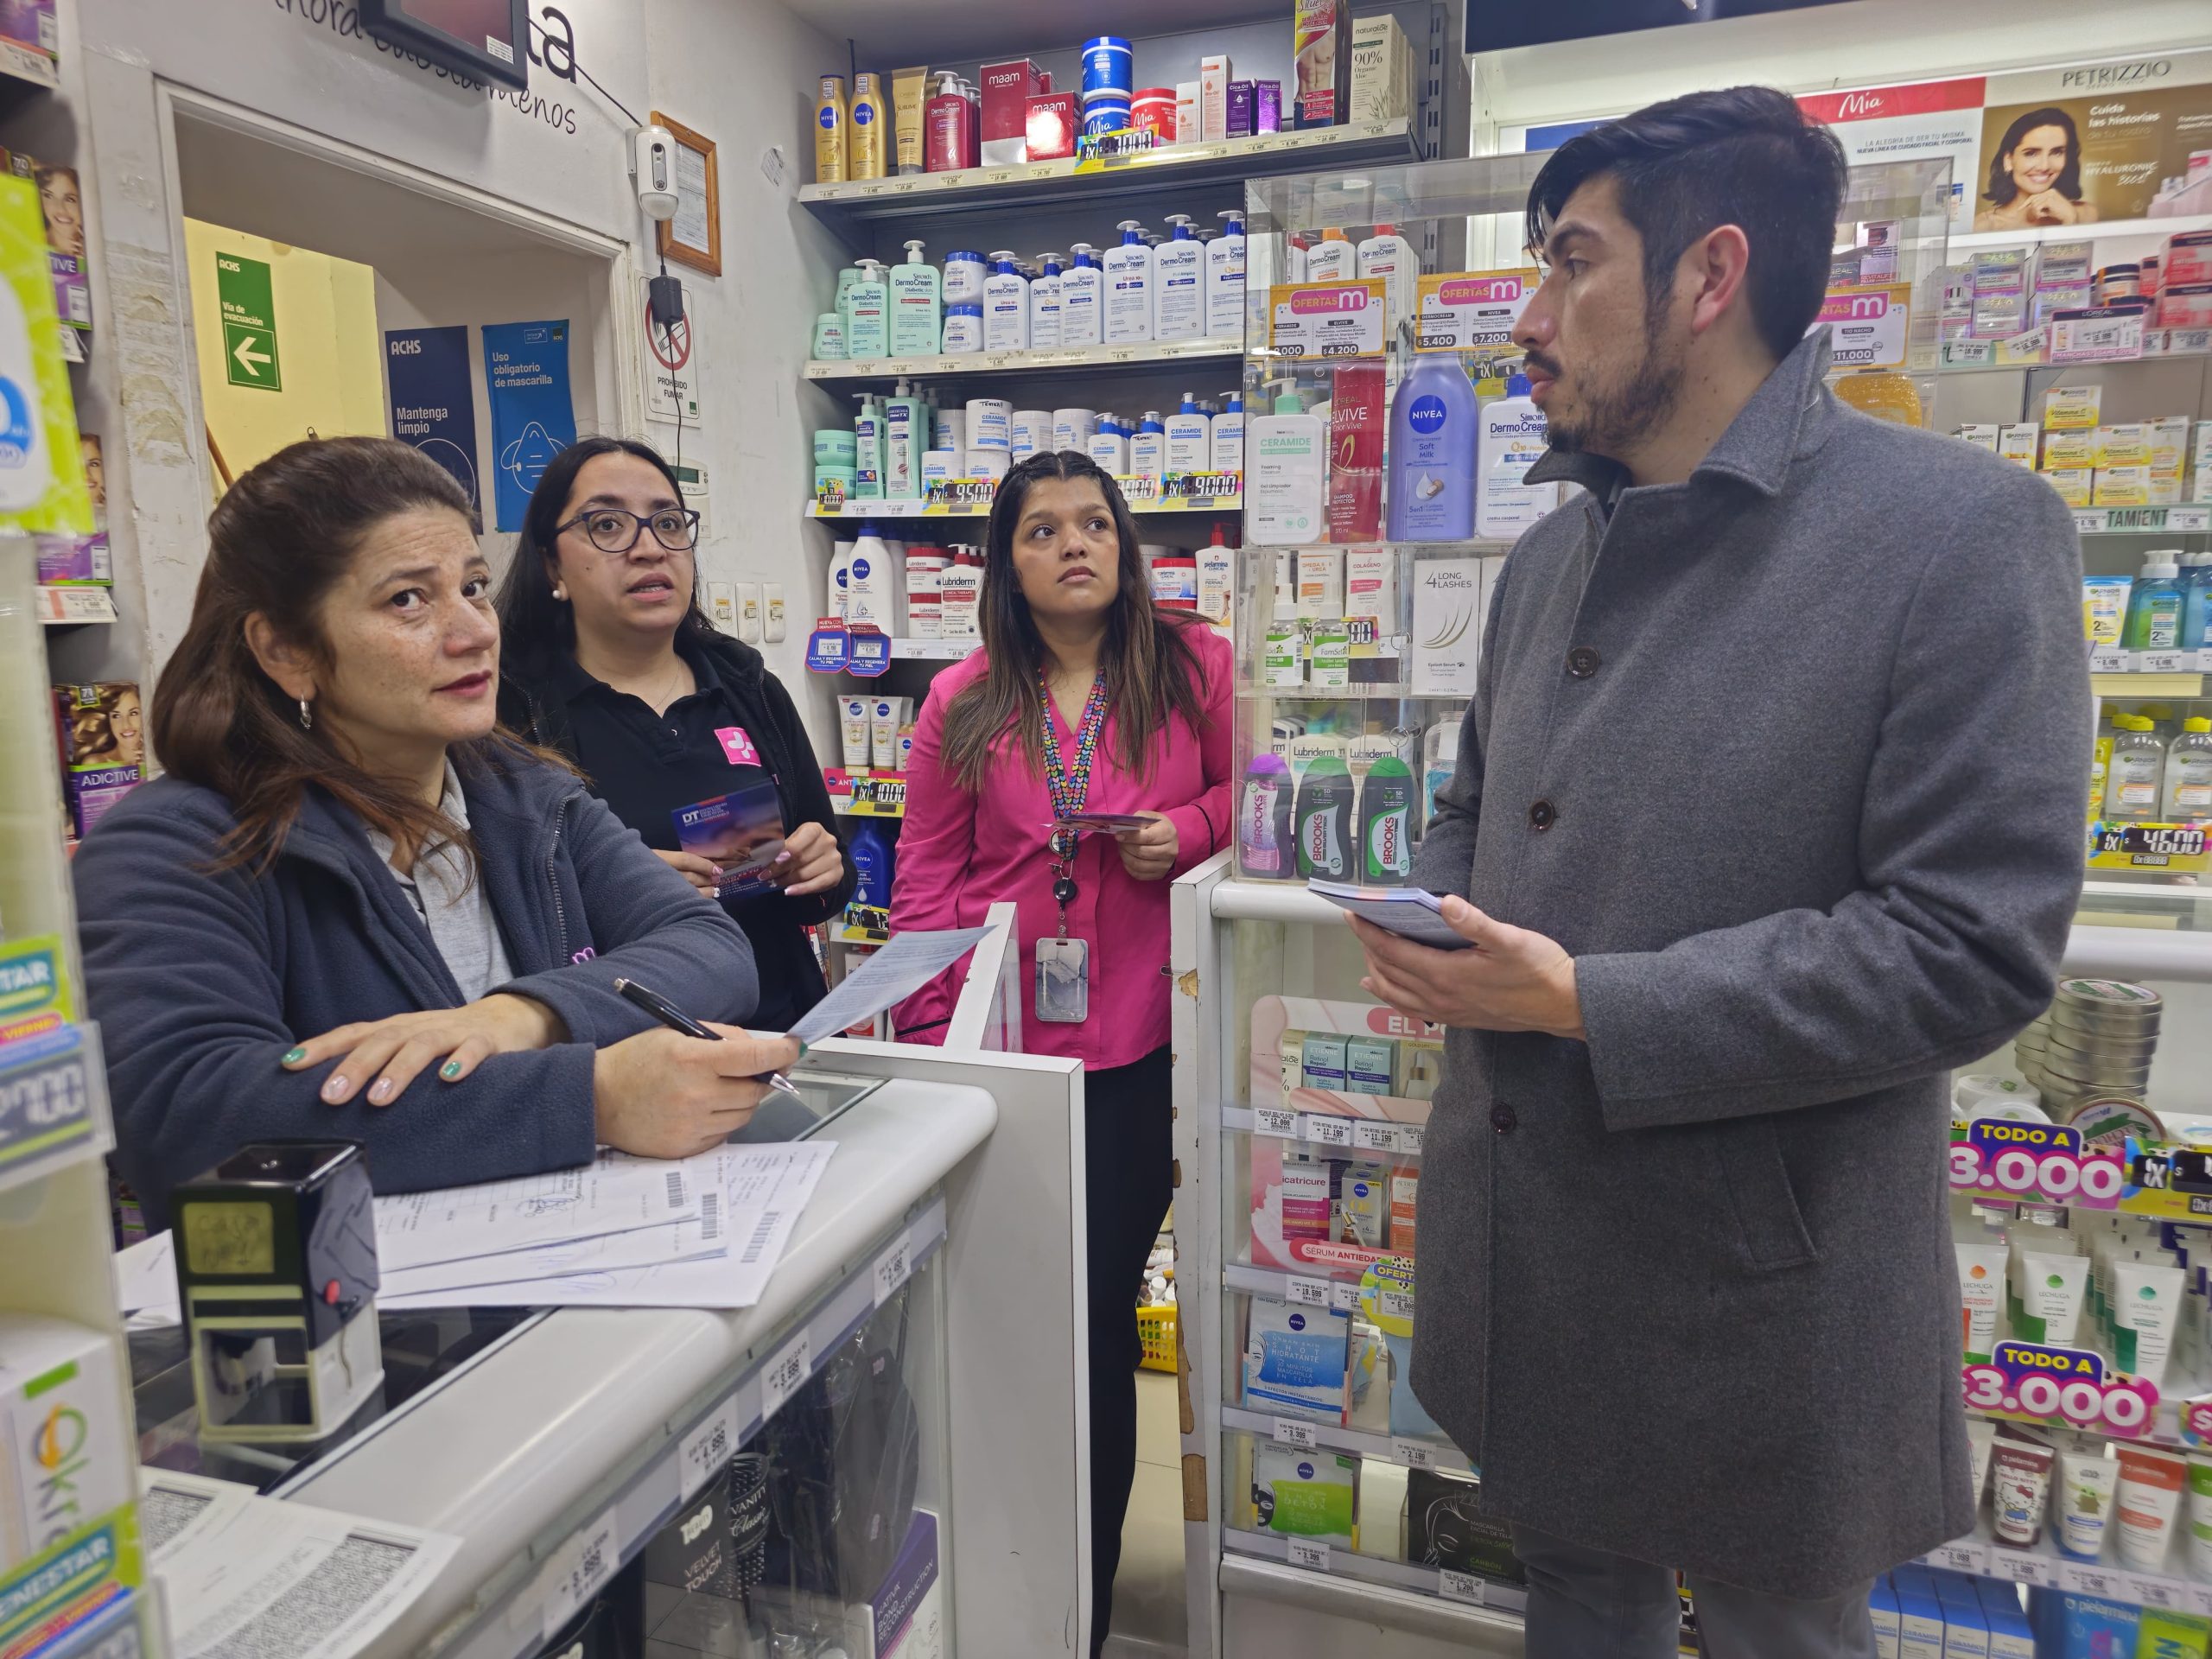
[
  {"x": 248, "y": 1576},
  {"x": 641, "y": 1246},
  {"x": 894, "y": 973},
  {"x": 766, "y": 1189},
  {"x": 146, "y": 1283},
  {"x": 612, "y": 1195}
]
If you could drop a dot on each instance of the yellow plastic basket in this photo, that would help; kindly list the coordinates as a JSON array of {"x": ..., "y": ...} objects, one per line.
[{"x": 1156, "y": 1331}]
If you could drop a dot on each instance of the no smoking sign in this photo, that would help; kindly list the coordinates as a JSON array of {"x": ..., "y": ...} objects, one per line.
[{"x": 671, "y": 368}]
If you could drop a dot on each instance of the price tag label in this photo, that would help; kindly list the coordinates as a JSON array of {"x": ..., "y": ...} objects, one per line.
[
  {"x": 1397, "y": 1304},
  {"x": 2198, "y": 1597},
  {"x": 2089, "y": 521},
  {"x": 1290, "y": 1431},
  {"x": 1470, "y": 310},
  {"x": 869, "y": 654},
  {"x": 577, "y": 1571},
  {"x": 892, "y": 1268},
  {"x": 1309, "y": 1554},
  {"x": 1454, "y": 1586},
  {"x": 882, "y": 798},
  {"x": 2154, "y": 1593},
  {"x": 1276, "y": 1120},
  {"x": 1966, "y": 1557},
  {"x": 2193, "y": 521},
  {"x": 1409, "y": 1139},
  {"x": 827, "y": 648},
  {"x": 1868, "y": 327},
  {"x": 2162, "y": 662},
  {"x": 1415, "y": 1454},
  {"x": 1324, "y": 1129},
  {"x": 1322, "y": 322},
  {"x": 1306, "y": 1292},
  {"x": 2021, "y": 1568},
  {"x": 2087, "y": 1580},
  {"x": 2107, "y": 659},
  {"x": 1375, "y": 1137},
  {"x": 1343, "y": 1297},
  {"x": 705, "y": 1450},
  {"x": 786, "y": 1374},
  {"x": 2147, "y": 846}
]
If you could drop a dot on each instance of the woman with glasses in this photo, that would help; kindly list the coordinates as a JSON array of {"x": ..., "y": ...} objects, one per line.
[{"x": 679, "y": 729}]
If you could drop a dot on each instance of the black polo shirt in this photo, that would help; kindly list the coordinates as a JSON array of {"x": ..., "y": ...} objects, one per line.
[{"x": 646, "y": 767}]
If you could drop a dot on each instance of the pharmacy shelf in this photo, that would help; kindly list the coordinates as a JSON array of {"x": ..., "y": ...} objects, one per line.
[
  {"x": 2191, "y": 520},
  {"x": 898, "y": 31},
  {"x": 53, "y": 1105},
  {"x": 2044, "y": 1565},
  {"x": 1087, "y": 360},
  {"x": 67, "y": 608},
  {"x": 1178, "y": 166},
  {"x": 2011, "y": 356},
  {"x": 2174, "y": 683},
  {"x": 1466, "y": 1588},
  {"x": 1413, "y": 1451},
  {"x": 1973, "y": 241},
  {"x": 857, "y": 510},
  {"x": 1328, "y": 1130},
  {"x": 25, "y": 68}
]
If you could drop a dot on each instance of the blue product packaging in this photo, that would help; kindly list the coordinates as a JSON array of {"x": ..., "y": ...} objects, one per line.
[
  {"x": 1433, "y": 452},
  {"x": 1920, "y": 1615},
  {"x": 1965, "y": 1632},
  {"x": 874, "y": 864},
  {"x": 2010, "y": 1635},
  {"x": 1295, "y": 1359},
  {"x": 1110, "y": 64},
  {"x": 1882, "y": 1607},
  {"x": 2069, "y": 1626},
  {"x": 1106, "y": 115}
]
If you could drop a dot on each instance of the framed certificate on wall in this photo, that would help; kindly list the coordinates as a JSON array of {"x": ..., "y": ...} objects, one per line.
[{"x": 694, "y": 236}]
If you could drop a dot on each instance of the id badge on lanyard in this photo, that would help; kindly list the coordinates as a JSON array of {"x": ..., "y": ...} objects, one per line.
[
  {"x": 1063, "y": 980},
  {"x": 1063, "y": 964}
]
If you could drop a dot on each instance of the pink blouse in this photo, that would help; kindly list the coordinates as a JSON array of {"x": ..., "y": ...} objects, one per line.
[{"x": 959, "y": 852}]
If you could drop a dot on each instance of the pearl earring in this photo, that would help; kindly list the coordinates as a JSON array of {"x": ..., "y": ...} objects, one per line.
[
  {"x": 560, "y": 592},
  {"x": 307, "y": 716}
]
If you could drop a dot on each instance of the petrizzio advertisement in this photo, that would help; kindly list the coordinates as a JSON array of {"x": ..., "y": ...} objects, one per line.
[{"x": 2094, "y": 142}]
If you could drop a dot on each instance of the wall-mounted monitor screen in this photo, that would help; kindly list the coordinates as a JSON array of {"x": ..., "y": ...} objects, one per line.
[
  {"x": 1495, "y": 28},
  {"x": 486, "y": 39}
]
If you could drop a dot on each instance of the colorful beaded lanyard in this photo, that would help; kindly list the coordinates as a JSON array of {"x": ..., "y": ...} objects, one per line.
[{"x": 1069, "y": 789}]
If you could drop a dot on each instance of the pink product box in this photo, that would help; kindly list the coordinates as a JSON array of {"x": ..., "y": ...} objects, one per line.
[
  {"x": 1007, "y": 87},
  {"x": 2188, "y": 259},
  {"x": 30, "y": 22},
  {"x": 75, "y": 560},
  {"x": 2186, "y": 306}
]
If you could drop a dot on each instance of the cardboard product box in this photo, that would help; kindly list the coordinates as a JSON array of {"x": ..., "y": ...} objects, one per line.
[
  {"x": 54, "y": 1483},
  {"x": 1055, "y": 118},
  {"x": 1321, "y": 50},
  {"x": 82, "y": 560},
  {"x": 2017, "y": 443},
  {"x": 905, "y": 1618},
  {"x": 2072, "y": 483},
  {"x": 1444, "y": 1527},
  {"x": 1007, "y": 87},
  {"x": 1305, "y": 1493},
  {"x": 31, "y": 24},
  {"x": 2069, "y": 449},
  {"x": 1358, "y": 417},
  {"x": 1882, "y": 1606},
  {"x": 1382, "y": 79},
  {"x": 612, "y": 1627},
  {"x": 101, "y": 729},
  {"x": 62, "y": 206},
  {"x": 691, "y": 1553},
  {"x": 1982, "y": 436},
  {"x": 2122, "y": 487}
]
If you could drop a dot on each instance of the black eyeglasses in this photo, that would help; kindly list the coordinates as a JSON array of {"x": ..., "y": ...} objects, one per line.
[{"x": 613, "y": 530}]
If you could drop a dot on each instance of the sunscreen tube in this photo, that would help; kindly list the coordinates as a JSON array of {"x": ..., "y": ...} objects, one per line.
[
  {"x": 885, "y": 716},
  {"x": 852, "y": 732},
  {"x": 2150, "y": 1492},
  {"x": 2146, "y": 1309},
  {"x": 2086, "y": 1480},
  {"x": 1982, "y": 1292}
]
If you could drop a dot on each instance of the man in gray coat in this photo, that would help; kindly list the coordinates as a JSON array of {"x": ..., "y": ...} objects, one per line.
[{"x": 1770, "y": 811}]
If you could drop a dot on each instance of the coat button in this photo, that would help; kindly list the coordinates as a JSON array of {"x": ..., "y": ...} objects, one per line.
[
  {"x": 1502, "y": 1119},
  {"x": 1543, "y": 815},
  {"x": 1582, "y": 662}
]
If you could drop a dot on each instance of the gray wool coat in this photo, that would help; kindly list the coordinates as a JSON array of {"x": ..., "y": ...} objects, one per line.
[{"x": 1796, "y": 771}]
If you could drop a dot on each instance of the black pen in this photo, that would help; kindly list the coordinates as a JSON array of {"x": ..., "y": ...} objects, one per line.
[{"x": 676, "y": 1020}]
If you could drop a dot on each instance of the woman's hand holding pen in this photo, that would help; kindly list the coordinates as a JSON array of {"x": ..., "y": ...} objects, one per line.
[{"x": 662, "y": 1094}]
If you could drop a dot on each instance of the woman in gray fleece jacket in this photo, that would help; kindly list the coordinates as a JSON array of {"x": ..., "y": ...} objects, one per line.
[{"x": 349, "y": 878}]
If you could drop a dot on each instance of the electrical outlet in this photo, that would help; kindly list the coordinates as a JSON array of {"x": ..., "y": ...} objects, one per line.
[{"x": 772, "y": 624}]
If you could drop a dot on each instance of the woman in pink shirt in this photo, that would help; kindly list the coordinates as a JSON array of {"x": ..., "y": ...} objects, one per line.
[{"x": 1084, "y": 699}]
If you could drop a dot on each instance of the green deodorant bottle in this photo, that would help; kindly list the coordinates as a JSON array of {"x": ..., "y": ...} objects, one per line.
[{"x": 1385, "y": 823}]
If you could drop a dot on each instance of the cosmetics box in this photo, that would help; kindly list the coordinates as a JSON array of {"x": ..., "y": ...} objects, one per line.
[
  {"x": 1267, "y": 106},
  {"x": 1054, "y": 120},
  {"x": 1982, "y": 436},
  {"x": 2069, "y": 449},
  {"x": 2127, "y": 444},
  {"x": 2072, "y": 409},
  {"x": 1321, "y": 47},
  {"x": 54, "y": 1481},
  {"x": 1007, "y": 87},
  {"x": 1326, "y": 1057},
  {"x": 2072, "y": 483},
  {"x": 1882, "y": 1608},
  {"x": 1381, "y": 69},
  {"x": 101, "y": 731},
  {"x": 1240, "y": 108},
  {"x": 1295, "y": 1359},
  {"x": 1445, "y": 1527},
  {"x": 905, "y": 1618},
  {"x": 2122, "y": 487},
  {"x": 1213, "y": 96},
  {"x": 1303, "y": 1494},
  {"x": 1368, "y": 1063},
  {"x": 2017, "y": 443}
]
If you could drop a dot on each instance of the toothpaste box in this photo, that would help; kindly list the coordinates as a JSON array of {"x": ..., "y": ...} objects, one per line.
[
  {"x": 1303, "y": 1494},
  {"x": 68, "y": 1456},
  {"x": 1296, "y": 1359},
  {"x": 1882, "y": 1606}
]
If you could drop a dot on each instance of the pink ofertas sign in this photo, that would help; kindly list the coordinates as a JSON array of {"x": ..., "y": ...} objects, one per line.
[
  {"x": 1868, "y": 327},
  {"x": 1326, "y": 319}
]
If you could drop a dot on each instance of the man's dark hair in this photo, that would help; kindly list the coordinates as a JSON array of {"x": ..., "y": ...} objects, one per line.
[{"x": 1747, "y": 157}]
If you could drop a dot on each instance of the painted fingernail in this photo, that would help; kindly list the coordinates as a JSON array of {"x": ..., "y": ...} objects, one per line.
[
  {"x": 296, "y": 1056},
  {"x": 450, "y": 1069},
  {"x": 802, "y": 1049},
  {"x": 334, "y": 1089},
  {"x": 380, "y": 1090}
]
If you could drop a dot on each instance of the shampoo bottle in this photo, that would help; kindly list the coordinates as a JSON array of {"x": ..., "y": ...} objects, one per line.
[
  {"x": 1386, "y": 822},
  {"x": 1190, "y": 439},
  {"x": 1179, "y": 276},
  {"x": 905, "y": 432},
  {"x": 1045, "y": 303},
  {"x": 2155, "y": 608},
  {"x": 1511, "y": 438},
  {"x": 1433, "y": 452},
  {"x": 868, "y": 450},
  {"x": 916, "y": 307},
  {"x": 1225, "y": 280},
  {"x": 868, "y": 306},
  {"x": 1129, "y": 288},
  {"x": 1083, "y": 299},
  {"x": 1264, "y": 844},
  {"x": 1324, "y": 819},
  {"x": 1286, "y": 475},
  {"x": 1006, "y": 305}
]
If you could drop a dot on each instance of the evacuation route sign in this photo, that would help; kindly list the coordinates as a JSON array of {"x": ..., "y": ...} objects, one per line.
[{"x": 249, "y": 322}]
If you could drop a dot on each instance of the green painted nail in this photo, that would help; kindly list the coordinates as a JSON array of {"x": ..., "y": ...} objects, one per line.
[
  {"x": 802, "y": 1049},
  {"x": 450, "y": 1069},
  {"x": 296, "y": 1056}
]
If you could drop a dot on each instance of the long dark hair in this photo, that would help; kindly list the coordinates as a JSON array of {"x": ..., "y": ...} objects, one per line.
[
  {"x": 2002, "y": 190},
  {"x": 279, "y": 540},
  {"x": 536, "y": 629},
  {"x": 1151, "y": 672}
]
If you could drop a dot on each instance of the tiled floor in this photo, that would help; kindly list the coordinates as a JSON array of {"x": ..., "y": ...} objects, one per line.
[{"x": 1149, "y": 1619}]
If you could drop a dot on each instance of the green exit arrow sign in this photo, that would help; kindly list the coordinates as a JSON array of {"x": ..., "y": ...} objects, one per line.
[{"x": 250, "y": 355}]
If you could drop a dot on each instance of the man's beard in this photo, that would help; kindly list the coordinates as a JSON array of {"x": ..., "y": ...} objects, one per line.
[{"x": 1620, "y": 414}]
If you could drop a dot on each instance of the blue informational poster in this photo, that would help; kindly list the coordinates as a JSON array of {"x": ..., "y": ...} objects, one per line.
[
  {"x": 533, "y": 418},
  {"x": 433, "y": 398},
  {"x": 1537, "y": 139}
]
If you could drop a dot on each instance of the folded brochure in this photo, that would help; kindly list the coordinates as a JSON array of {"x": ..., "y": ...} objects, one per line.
[{"x": 1410, "y": 912}]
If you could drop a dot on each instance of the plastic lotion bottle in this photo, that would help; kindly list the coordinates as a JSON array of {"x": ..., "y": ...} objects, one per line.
[
  {"x": 2134, "y": 771},
  {"x": 2188, "y": 792},
  {"x": 1225, "y": 280},
  {"x": 1228, "y": 436},
  {"x": 1148, "y": 448},
  {"x": 874, "y": 863},
  {"x": 904, "y": 436},
  {"x": 1324, "y": 818},
  {"x": 1386, "y": 822},
  {"x": 1510, "y": 439},
  {"x": 1335, "y": 261},
  {"x": 1006, "y": 305},
  {"x": 1179, "y": 271},
  {"x": 1287, "y": 474},
  {"x": 1190, "y": 439},
  {"x": 1264, "y": 821},
  {"x": 868, "y": 450},
  {"x": 1083, "y": 299},
  {"x": 868, "y": 306},
  {"x": 1432, "y": 453},
  {"x": 917, "y": 306},
  {"x": 1129, "y": 288},
  {"x": 1389, "y": 256},
  {"x": 2155, "y": 608},
  {"x": 1217, "y": 578},
  {"x": 1045, "y": 303}
]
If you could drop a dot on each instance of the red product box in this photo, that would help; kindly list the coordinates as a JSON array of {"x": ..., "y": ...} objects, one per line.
[
  {"x": 1355, "y": 428},
  {"x": 1007, "y": 88},
  {"x": 1054, "y": 120}
]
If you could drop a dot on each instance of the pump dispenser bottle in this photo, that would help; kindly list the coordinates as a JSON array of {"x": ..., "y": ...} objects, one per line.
[
  {"x": 1006, "y": 305},
  {"x": 917, "y": 306},
  {"x": 1045, "y": 303},
  {"x": 868, "y": 306},
  {"x": 1130, "y": 288},
  {"x": 1225, "y": 280},
  {"x": 1083, "y": 299},
  {"x": 1190, "y": 439},
  {"x": 1179, "y": 278},
  {"x": 905, "y": 434},
  {"x": 1148, "y": 448},
  {"x": 2156, "y": 606}
]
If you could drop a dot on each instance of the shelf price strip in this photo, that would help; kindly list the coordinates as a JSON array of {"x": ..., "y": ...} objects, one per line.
[
  {"x": 2043, "y": 1163},
  {"x": 2060, "y": 1385}
]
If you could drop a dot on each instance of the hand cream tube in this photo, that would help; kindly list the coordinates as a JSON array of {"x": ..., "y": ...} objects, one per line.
[
  {"x": 2146, "y": 1311},
  {"x": 2200, "y": 1518},
  {"x": 852, "y": 732},
  {"x": 2150, "y": 1492},
  {"x": 1981, "y": 1436},
  {"x": 2051, "y": 1289},
  {"x": 2022, "y": 1477},
  {"x": 2086, "y": 1480},
  {"x": 1981, "y": 1293}
]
